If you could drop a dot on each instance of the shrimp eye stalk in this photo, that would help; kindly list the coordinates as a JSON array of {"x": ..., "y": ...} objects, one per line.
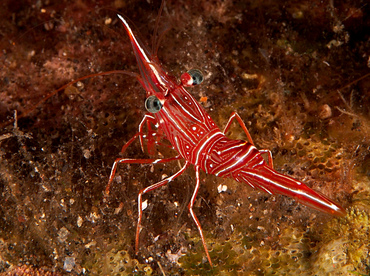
[
  {"x": 153, "y": 104},
  {"x": 192, "y": 77}
]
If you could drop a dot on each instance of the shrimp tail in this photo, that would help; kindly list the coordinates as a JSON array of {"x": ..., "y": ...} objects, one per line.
[{"x": 267, "y": 179}]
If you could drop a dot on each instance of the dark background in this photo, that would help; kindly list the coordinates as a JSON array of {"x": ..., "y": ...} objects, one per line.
[{"x": 295, "y": 71}]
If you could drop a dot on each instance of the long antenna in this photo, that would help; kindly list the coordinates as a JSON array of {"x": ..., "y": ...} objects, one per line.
[
  {"x": 51, "y": 94},
  {"x": 155, "y": 41}
]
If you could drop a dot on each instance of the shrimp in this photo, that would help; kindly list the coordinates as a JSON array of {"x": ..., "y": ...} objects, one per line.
[{"x": 201, "y": 143}]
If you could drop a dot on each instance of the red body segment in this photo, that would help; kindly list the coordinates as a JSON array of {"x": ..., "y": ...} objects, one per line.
[{"x": 200, "y": 142}]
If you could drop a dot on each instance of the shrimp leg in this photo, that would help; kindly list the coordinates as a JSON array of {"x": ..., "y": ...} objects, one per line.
[
  {"x": 151, "y": 188},
  {"x": 190, "y": 207},
  {"x": 135, "y": 161},
  {"x": 139, "y": 134},
  {"x": 236, "y": 116},
  {"x": 148, "y": 118}
]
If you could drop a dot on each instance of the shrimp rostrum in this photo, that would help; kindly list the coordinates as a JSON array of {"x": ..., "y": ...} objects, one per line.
[{"x": 201, "y": 143}]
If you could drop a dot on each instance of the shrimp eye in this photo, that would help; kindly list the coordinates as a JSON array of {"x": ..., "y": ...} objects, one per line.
[
  {"x": 153, "y": 104},
  {"x": 192, "y": 77}
]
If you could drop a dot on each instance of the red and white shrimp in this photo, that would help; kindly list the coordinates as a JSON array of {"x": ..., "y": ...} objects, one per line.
[{"x": 201, "y": 143}]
